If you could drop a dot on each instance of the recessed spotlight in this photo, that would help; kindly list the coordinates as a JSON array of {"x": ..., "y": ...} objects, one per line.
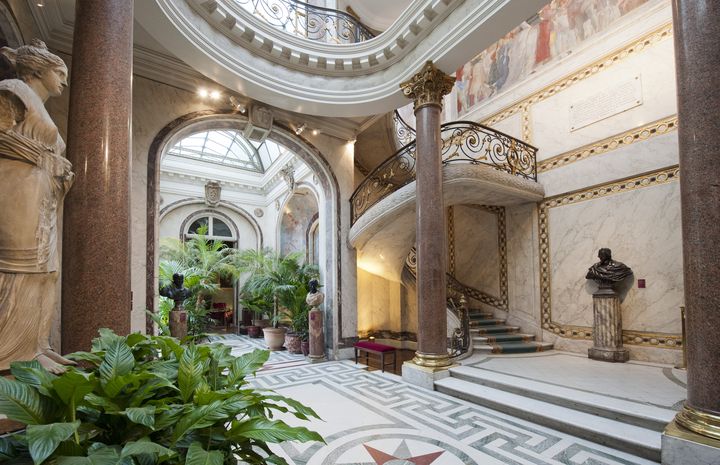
[
  {"x": 215, "y": 95},
  {"x": 203, "y": 93},
  {"x": 315, "y": 132}
]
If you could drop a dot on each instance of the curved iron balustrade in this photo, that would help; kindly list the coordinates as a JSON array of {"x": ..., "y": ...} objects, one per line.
[
  {"x": 309, "y": 21},
  {"x": 463, "y": 142},
  {"x": 404, "y": 133}
]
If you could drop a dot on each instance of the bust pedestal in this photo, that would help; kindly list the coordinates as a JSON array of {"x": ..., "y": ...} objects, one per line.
[
  {"x": 607, "y": 327},
  {"x": 317, "y": 336},
  {"x": 178, "y": 322}
]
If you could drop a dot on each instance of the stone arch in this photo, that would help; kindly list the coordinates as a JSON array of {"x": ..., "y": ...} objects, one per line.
[{"x": 282, "y": 134}]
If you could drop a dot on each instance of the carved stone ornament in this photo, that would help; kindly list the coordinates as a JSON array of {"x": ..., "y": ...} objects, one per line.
[
  {"x": 212, "y": 193},
  {"x": 428, "y": 86},
  {"x": 259, "y": 212},
  {"x": 288, "y": 175}
]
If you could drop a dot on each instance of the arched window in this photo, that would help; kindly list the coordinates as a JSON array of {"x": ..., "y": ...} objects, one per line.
[{"x": 218, "y": 228}]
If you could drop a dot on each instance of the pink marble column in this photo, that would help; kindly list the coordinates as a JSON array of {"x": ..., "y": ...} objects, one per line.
[
  {"x": 96, "y": 228},
  {"x": 427, "y": 89},
  {"x": 697, "y": 54}
]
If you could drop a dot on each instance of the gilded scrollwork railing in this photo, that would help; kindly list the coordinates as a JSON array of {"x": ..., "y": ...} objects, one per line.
[
  {"x": 463, "y": 142},
  {"x": 404, "y": 133},
  {"x": 309, "y": 21}
]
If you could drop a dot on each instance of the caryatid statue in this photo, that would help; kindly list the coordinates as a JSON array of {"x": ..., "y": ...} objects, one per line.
[{"x": 35, "y": 177}]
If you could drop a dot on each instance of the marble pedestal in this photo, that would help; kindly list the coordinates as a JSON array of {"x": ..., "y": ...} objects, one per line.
[
  {"x": 178, "y": 323},
  {"x": 422, "y": 376},
  {"x": 683, "y": 447},
  {"x": 317, "y": 336},
  {"x": 607, "y": 328}
]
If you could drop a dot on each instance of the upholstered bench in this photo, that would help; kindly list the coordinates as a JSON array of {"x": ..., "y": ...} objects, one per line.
[{"x": 377, "y": 349}]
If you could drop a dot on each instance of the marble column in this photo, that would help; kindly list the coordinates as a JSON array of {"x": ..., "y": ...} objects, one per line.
[
  {"x": 697, "y": 53},
  {"x": 607, "y": 327},
  {"x": 427, "y": 89},
  {"x": 96, "y": 230}
]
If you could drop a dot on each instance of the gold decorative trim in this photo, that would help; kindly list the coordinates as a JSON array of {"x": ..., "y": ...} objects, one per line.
[
  {"x": 527, "y": 134},
  {"x": 662, "y": 176},
  {"x": 428, "y": 87},
  {"x": 653, "y": 37},
  {"x": 433, "y": 361},
  {"x": 451, "y": 240},
  {"x": 656, "y": 128},
  {"x": 703, "y": 423}
]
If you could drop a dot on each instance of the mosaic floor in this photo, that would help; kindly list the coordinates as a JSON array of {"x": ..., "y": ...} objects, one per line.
[{"x": 374, "y": 418}]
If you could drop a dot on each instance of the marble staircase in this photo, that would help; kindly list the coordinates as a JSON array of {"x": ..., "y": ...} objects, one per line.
[
  {"x": 628, "y": 425},
  {"x": 492, "y": 335}
]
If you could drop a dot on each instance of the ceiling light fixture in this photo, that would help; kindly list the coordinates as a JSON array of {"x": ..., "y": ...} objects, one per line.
[
  {"x": 238, "y": 105},
  {"x": 299, "y": 130},
  {"x": 215, "y": 95},
  {"x": 203, "y": 93},
  {"x": 315, "y": 132}
]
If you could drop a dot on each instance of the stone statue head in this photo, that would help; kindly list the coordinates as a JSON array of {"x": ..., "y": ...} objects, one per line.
[
  {"x": 36, "y": 62},
  {"x": 605, "y": 255}
]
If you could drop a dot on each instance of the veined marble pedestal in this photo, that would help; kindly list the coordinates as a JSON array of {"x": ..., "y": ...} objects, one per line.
[
  {"x": 178, "y": 323},
  {"x": 607, "y": 328},
  {"x": 683, "y": 447},
  {"x": 317, "y": 336}
]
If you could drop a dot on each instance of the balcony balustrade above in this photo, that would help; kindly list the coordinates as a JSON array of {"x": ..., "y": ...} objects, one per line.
[
  {"x": 308, "y": 21},
  {"x": 463, "y": 142}
]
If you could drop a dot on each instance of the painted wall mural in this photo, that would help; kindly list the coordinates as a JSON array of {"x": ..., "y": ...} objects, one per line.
[
  {"x": 297, "y": 216},
  {"x": 560, "y": 27}
]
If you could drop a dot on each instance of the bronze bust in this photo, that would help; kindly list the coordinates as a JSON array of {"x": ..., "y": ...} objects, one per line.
[
  {"x": 607, "y": 271},
  {"x": 176, "y": 291}
]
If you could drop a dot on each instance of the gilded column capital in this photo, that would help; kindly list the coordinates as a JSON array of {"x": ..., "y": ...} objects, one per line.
[{"x": 428, "y": 86}]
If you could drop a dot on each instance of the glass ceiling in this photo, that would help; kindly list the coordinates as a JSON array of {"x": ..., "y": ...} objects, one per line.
[{"x": 228, "y": 147}]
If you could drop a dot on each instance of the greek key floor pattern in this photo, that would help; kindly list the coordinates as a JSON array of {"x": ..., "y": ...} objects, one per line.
[
  {"x": 243, "y": 344},
  {"x": 373, "y": 418}
]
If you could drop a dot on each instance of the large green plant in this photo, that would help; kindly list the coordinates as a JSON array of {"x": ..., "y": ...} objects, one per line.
[
  {"x": 284, "y": 278},
  {"x": 147, "y": 400},
  {"x": 204, "y": 263}
]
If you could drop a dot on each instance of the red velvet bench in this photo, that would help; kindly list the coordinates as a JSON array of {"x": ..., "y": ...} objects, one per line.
[{"x": 377, "y": 349}]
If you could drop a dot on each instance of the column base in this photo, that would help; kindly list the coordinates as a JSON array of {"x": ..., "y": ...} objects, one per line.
[
  {"x": 423, "y": 376},
  {"x": 432, "y": 360},
  {"x": 316, "y": 358},
  {"x": 682, "y": 447},
  {"x": 699, "y": 422},
  {"x": 609, "y": 355}
]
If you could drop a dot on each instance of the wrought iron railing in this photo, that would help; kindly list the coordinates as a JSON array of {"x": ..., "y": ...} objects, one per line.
[
  {"x": 404, "y": 133},
  {"x": 459, "y": 343},
  {"x": 309, "y": 21},
  {"x": 463, "y": 142}
]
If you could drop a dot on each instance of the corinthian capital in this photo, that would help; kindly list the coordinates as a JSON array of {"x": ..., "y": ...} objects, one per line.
[{"x": 428, "y": 86}]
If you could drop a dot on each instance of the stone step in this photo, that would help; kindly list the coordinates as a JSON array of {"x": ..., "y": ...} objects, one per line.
[
  {"x": 486, "y": 322},
  {"x": 480, "y": 314},
  {"x": 627, "y": 411},
  {"x": 512, "y": 347},
  {"x": 633, "y": 439},
  {"x": 491, "y": 338},
  {"x": 494, "y": 329}
]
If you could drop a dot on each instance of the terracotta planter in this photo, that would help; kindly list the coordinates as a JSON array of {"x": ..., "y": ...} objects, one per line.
[
  {"x": 292, "y": 343},
  {"x": 274, "y": 337},
  {"x": 254, "y": 331},
  {"x": 305, "y": 347}
]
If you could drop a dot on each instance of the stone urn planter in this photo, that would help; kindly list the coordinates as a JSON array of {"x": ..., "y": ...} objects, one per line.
[
  {"x": 292, "y": 343},
  {"x": 254, "y": 331},
  {"x": 274, "y": 337}
]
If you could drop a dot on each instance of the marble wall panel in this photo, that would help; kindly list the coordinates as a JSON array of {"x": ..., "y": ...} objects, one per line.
[
  {"x": 656, "y": 69},
  {"x": 297, "y": 216},
  {"x": 522, "y": 269},
  {"x": 379, "y": 302},
  {"x": 511, "y": 126},
  {"x": 477, "y": 257},
  {"x": 642, "y": 227},
  {"x": 640, "y": 157}
]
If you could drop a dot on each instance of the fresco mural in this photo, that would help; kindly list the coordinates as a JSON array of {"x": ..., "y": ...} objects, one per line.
[
  {"x": 297, "y": 216},
  {"x": 560, "y": 26}
]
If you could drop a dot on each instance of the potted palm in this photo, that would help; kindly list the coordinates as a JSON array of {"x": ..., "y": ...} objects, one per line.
[{"x": 283, "y": 278}]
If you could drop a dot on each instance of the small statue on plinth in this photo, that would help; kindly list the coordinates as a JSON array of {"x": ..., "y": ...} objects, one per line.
[
  {"x": 314, "y": 299},
  {"x": 178, "y": 316},
  {"x": 607, "y": 317}
]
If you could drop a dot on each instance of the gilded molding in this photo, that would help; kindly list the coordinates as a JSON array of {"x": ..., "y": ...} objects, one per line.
[
  {"x": 451, "y": 239},
  {"x": 432, "y": 361},
  {"x": 527, "y": 134},
  {"x": 428, "y": 86},
  {"x": 703, "y": 423},
  {"x": 653, "y": 37},
  {"x": 631, "y": 337},
  {"x": 639, "y": 134}
]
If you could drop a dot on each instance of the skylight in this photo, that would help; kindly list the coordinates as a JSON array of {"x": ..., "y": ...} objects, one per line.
[{"x": 228, "y": 147}]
